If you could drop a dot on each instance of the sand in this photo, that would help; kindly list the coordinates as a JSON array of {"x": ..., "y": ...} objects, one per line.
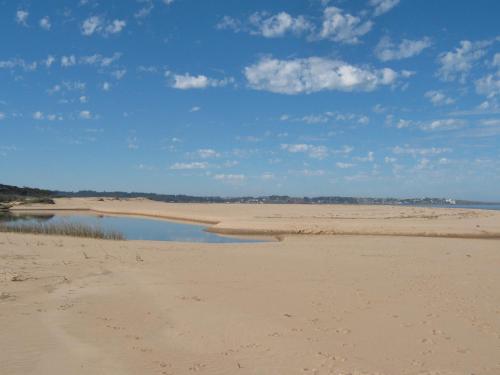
[{"x": 378, "y": 299}]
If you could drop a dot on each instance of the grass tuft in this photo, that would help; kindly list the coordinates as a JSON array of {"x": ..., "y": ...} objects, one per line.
[{"x": 63, "y": 229}]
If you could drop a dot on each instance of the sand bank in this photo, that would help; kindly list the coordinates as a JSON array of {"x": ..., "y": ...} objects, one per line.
[{"x": 304, "y": 219}]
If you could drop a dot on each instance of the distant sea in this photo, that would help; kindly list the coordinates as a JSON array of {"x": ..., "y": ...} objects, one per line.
[{"x": 472, "y": 206}]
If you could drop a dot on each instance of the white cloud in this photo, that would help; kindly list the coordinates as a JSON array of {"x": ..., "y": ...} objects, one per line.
[
  {"x": 91, "y": 25},
  {"x": 45, "y": 23},
  {"x": 207, "y": 153},
  {"x": 100, "y": 60},
  {"x": 86, "y": 115},
  {"x": 390, "y": 160},
  {"x": 490, "y": 122},
  {"x": 277, "y": 25},
  {"x": 457, "y": 64},
  {"x": 267, "y": 176},
  {"x": 229, "y": 23},
  {"x": 38, "y": 115},
  {"x": 382, "y": 6},
  {"x": 343, "y": 27},
  {"x": 188, "y": 166},
  {"x": 345, "y": 150},
  {"x": 315, "y": 74},
  {"x": 145, "y": 11},
  {"x": 368, "y": 158},
  {"x": 386, "y": 50},
  {"x": 49, "y": 61},
  {"x": 168, "y": 2},
  {"x": 311, "y": 172},
  {"x": 96, "y": 24},
  {"x": 195, "y": 109},
  {"x": 3, "y": 116},
  {"x": 188, "y": 81},
  {"x": 438, "y": 98},
  {"x": 119, "y": 73},
  {"x": 106, "y": 86},
  {"x": 22, "y": 17},
  {"x": 67, "y": 61},
  {"x": 315, "y": 152},
  {"x": 488, "y": 85},
  {"x": 402, "y": 123},
  {"x": 444, "y": 124},
  {"x": 115, "y": 27},
  {"x": 423, "y": 163},
  {"x": 496, "y": 60},
  {"x": 336, "y": 25},
  {"x": 18, "y": 63},
  {"x": 344, "y": 165},
  {"x": 407, "y": 150},
  {"x": 230, "y": 178}
]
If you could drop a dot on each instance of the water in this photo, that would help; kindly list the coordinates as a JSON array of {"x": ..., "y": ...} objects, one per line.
[
  {"x": 133, "y": 228},
  {"x": 495, "y": 207}
]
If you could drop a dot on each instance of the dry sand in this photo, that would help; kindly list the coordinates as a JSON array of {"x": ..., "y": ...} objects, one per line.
[{"x": 309, "y": 304}]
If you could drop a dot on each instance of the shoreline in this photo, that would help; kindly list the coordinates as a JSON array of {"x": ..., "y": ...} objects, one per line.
[{"x": 399, "y": 221}]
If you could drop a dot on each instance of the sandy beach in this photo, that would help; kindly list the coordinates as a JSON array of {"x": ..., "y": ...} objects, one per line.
[{"x": 359, "y": 290}]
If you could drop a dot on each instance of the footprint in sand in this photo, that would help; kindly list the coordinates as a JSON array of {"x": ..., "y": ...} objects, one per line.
[{"x": 197, "y": 367}]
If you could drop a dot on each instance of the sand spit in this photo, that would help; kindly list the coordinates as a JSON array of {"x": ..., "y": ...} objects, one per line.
[{"x": 245, "y": 219}]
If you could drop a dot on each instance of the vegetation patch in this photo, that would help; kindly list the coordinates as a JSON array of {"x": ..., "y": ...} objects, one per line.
[{"x": 63, "y": 229}]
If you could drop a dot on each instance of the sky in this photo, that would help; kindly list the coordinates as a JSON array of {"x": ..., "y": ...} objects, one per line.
[{"x": 374, "y": 98}]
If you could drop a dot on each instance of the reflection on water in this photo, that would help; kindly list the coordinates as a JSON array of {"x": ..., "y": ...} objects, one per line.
[
  {"x": 7, "y": 217},
  {"x": 132, "y": 228}
]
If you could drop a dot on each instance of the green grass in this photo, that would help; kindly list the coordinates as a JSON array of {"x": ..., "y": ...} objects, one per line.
[{"x": 63, "y": 229}]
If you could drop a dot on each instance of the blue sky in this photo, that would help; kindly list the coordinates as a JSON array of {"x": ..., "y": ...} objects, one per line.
[{"x": 312, "y": 97}]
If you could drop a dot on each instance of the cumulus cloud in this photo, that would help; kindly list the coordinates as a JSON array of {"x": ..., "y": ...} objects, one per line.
[
  {"x": 438, "y": 98},
  {"x": 45, "y": 23},
  {"x": 188, "y": 166},
  {"x": 187, "y": 81},
  {"x": 278, "y": 25},
  {"x": 488, "y": 85},
  {"x": 3, "y": 116},
  {"x": 315, "y": 74},
  {"x": 386, "y": 50},
  {"x": 382, "y": 6},
  {"x": 267, "y": 25},
  {"x": 343, "y": 27},
  {"x": 22, "y": 17},
  {"x": 99, "y": 25},
  {"x": 456, "y": 64},
  {"x": 336, "y": 25},
  {"x": 315, "y": 152}
]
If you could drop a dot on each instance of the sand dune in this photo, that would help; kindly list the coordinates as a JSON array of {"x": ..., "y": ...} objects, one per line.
[{"x": 309, "y": 304}]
